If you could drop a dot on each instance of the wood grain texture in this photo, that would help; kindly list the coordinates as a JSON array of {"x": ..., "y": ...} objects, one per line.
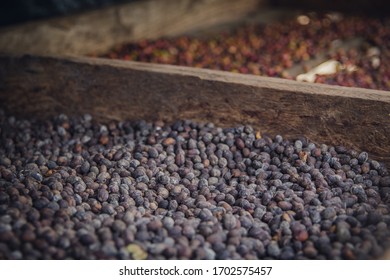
[
  {"x": 97, "y": 31},
  {"x": 116, "y": 90}
]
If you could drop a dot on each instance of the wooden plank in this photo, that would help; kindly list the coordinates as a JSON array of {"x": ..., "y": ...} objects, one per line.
[
  {"x": 115, "y": 90},
  {"x": 97, "y": 31}
]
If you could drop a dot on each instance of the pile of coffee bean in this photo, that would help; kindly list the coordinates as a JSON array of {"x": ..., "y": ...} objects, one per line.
[
  {"x": 279, "y": 49},
  {"x": 74, "y": 188}
]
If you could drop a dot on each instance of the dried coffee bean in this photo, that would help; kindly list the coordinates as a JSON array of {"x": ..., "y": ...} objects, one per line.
[{"x": 205, "y": 193}]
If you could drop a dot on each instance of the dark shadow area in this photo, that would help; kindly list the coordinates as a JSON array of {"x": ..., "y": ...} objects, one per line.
[
  {"x": 18, "y": 11},
  {"x": 378, "y": 8}
]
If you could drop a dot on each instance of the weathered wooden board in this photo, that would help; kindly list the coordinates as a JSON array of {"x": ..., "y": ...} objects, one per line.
[
  {"x": 97, "y": 31},
  {"x": 40, "y": 87}
]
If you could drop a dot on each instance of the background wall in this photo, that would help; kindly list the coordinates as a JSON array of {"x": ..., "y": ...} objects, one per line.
[
  {"x": 373, "y": 7},
  {"x": 16, "y": 11}
]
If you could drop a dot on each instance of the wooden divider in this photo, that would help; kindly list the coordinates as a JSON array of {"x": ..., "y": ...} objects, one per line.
[
  {"x": 97, "y": 31},
  {"x": 32, "y": 86}
]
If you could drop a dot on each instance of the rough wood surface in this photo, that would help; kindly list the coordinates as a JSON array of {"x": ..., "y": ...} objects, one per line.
[
  {"x": 42, "y": 86},
  {"x": 96, "y": 32}
]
